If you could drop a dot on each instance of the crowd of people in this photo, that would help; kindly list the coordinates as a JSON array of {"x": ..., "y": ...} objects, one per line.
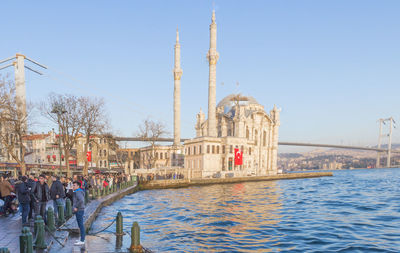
[{"x": 31, "y": 195}]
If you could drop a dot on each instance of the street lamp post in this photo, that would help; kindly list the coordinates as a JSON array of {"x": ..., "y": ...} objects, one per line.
[{"x": 59, "y": 110}]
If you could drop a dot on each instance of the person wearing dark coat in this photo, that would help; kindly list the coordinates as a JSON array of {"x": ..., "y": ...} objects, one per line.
[
  {"x": 41, "y": 193},
  {"x": 57, "y": 194},
  {"x": 31, "y": 184},
  {"x": 24, "y": 198}
]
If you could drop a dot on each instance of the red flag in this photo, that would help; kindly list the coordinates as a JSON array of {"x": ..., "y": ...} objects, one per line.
[
  {"x": 238, "y": 157},
  {"x": 89, "y": 156}
]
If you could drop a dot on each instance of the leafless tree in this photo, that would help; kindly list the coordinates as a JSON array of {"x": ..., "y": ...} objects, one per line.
[
  {"x": 94, "y": 121},
  {"x": 151, "y": 131},
  {"x": 13, "y": 124},
  {"x": 117, "y": 154},
  {"x": 66, "y": 112}
]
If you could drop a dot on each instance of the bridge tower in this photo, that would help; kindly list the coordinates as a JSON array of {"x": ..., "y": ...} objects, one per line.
[
  {"x": 389, "y": 136},
  {"x": 20, "y": 90}
]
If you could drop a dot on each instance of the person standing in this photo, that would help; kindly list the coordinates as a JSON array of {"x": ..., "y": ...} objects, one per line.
[
  {"x": 31, "y": 184},
  {"x": 57, "y": 194},
  {"x": 24, "y": 198},
  {"x": 41, "y": 194},
  {"x": 79, "y": 210},
  {"x": 5, "y": 190}
]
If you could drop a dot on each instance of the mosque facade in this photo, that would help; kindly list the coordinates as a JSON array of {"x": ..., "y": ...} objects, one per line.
[{"x": 239, "y": 138}]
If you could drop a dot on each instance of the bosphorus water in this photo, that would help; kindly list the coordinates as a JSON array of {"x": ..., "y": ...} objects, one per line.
[{"x": 353, "y": 211}]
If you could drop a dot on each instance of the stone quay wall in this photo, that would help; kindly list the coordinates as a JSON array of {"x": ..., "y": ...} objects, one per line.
[{"x": 181, "y": 183}]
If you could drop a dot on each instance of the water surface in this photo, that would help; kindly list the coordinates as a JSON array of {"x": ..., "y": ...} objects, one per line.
[{"x": 353, "y": 211}]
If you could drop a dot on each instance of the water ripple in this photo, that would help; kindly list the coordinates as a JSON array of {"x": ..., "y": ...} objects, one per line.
[{"x": 354, "y": 211}]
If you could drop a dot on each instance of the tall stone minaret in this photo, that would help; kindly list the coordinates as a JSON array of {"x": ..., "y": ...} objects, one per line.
[
  {"x": 212, "y": 57},
  {"x": 177, "y": 92}
]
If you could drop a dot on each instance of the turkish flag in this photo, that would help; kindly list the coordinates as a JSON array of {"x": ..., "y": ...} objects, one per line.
[
  {"x": 238, "y": 157},
  {"x": 89, "y": 156}
]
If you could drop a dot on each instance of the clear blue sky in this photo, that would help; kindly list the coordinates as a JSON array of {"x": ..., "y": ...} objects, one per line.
[{"x": 332, "y": 66}]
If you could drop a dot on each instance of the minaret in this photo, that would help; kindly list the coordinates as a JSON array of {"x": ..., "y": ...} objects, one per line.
[
  {"x": 177, "y": 92},
  {"x": 212, "y": 57}
]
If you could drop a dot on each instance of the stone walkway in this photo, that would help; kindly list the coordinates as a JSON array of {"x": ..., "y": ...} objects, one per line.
[{"x": 10, "y": 230}]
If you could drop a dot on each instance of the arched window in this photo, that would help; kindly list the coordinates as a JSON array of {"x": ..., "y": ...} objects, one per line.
[
  {"x": 161, "y": 155},
  {"x": 105, "y": 152},
  {"x": 101, "y": 163},
  {"x": 247, "y": 133},
  {"x": 213, "y": 149}
]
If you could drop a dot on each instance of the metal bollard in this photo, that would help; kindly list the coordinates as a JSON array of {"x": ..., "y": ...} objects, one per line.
[
  {"x": 50, "y": 219},
  {"x": 86, "y": 197},
  {"x": 61, "y": 217},
  {"x": 119, "y": 229},
  {"x": 135, "y": 238},
  {"x": 93, "y": 193},
  {"x": 68, "y": 208},
  {"x": 4, "y": 250},
  {"x": 39, "y": 237},
  {"x": 25, "y": 241}
]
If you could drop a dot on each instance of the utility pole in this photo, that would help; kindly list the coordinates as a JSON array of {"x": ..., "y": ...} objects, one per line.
[{"x": 59, "y": 110}]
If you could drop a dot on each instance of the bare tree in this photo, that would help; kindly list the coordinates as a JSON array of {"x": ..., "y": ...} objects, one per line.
[
  {"x": 118, "y": 155},
  {"x": 13, "y": 124},
  {"x": 94, "y": 121},
  {"x": 66, "y": 112},
  {"x": 152, "y": 130}
]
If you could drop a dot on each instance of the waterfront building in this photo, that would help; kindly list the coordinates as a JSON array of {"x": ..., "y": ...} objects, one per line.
[{"x": 238, "y": 139}]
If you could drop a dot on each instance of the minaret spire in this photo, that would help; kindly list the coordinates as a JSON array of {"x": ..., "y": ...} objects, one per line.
[
  {"x": 177, "y": 91},
  {"x": 212, "y": 57}
]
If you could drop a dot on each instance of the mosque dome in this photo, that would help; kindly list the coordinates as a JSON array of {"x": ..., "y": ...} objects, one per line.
[{"x": 230, "y": 100}]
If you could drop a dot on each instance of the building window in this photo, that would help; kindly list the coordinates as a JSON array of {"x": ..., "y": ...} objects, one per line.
[
  {"x": 200, "y": 149},
  {"x": 156, "y": 155},
  {"x": 104, "y": 152},
  {"x": 101, "y": 163},
  {"x": 217, "y": 149},
  {"x": 223, "y": 149},
  {"x": 188, "y": 150},
  {"x": 230, "y": 149},
  {"x": 161, "y": 155},
  {"x": 166, "y": 156},
  {"x": 194, "y": 150},
  {"x": 223, "y": 163},
  {"x": 247, "y": 133},
  {"x": 249, "y": 151},
  {"x": 256, "y": 136},
  {"x": 208, "y": 149},
  {"x": 241, "y": 148},
  {"x": 213, "y": 149}
]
